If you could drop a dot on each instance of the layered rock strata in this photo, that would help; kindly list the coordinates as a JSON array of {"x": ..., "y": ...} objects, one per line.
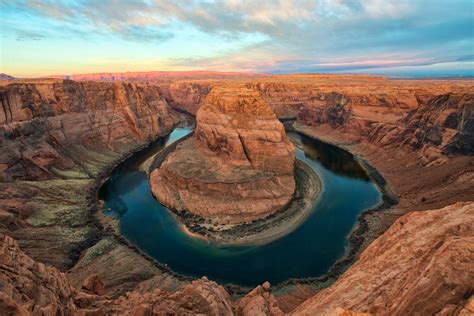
[
  {"x": 57, "y": 139},
  {"x": 430, "y": 117},
  {"x": 422, "y": 265},
  {"x": 43, "y": 123},
  {"x": 239, "y": 166}
]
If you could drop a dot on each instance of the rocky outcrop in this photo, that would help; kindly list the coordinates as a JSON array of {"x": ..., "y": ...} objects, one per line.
[
  {"x": 443, "y": 126},
  {"x": 31, "y": 285},
  {"x": 259, "y": 301},
  {"x": 32, "y": 288},
  {"x": 186, "y": 96},
  {"x": 237, "y": 168},
  {"x": 332, "y": 109},
  {"x": 431, "y": 117},
  {"x": 422, "y": 265}
]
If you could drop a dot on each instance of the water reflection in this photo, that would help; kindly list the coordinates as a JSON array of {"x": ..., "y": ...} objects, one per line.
[
  {"x": 310, "y": 250},
  {"x": 331, "y": 157}
]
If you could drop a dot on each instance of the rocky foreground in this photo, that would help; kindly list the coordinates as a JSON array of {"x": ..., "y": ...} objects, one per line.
[
  {"x": 59, "y": 138},
  {"x": 238, "y": 167},
  {"x": 422, "y": 265}
]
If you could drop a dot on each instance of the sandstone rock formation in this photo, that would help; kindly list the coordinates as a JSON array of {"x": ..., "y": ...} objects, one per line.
[
  {"x": 186, "y": 96},
  {"x": 32, "y": 288},
  {"x": 423, "y": 264},
  {"x": 259, "y": 301},
  {"x": 57, "y": 138},
  {"x": 237, "y": 168},
  {"x": 430, "y": 117},
  {"x": 31, "y": 285},
  {"x": 43, "y": 122},
  {"x": 410, "y": 113}
]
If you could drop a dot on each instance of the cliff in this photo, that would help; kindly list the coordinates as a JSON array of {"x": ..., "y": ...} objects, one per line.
[
  {"x": 57, "y": 139},
  {"x": 430, "y": 117},
  {"x": 46, "y": 125},
  {"x": 422, "y": 265}
]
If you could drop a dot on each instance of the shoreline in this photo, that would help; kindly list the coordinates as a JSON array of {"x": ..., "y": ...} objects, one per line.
[
  {"x": 279, "y": 224},
  {"x": 359, "y": 237},
  {"x": 316, "y": 283},
  {"x": 258, "y": 232}
]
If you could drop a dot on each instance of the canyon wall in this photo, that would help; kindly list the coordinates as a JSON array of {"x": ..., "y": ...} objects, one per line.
[
  {"x": 45, "y": 125},
  {"x": 57, "y": 139},
  {"x": 431, "y": 117}
]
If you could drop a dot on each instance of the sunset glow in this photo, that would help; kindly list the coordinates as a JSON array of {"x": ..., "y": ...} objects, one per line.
[{"x": 413, "y": 38}]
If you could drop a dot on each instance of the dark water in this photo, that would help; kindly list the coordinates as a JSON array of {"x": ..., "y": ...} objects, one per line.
[{"x": 308, "y": 251}]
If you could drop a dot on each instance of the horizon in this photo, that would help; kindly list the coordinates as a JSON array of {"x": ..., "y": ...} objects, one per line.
[
  {"x": 404, "y": 39},
  {"x": 244, "y": 73}
]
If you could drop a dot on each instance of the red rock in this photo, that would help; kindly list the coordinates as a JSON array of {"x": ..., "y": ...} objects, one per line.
[
  {"x": 94, "y": 285},
  {"x": 239, "y": 166},
  {"x": 423, "y": 263}
]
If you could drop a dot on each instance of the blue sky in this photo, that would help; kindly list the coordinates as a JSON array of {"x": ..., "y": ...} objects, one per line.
[{"x": 406, "y": 38}]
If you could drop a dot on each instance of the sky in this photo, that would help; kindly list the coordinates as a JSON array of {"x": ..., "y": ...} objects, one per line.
[{"x": 399, "y": 38}]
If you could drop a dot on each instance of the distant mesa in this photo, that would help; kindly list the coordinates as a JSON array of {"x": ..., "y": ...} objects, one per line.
[
  {"x": 153, "y": 75},
  {"x": 6, "y": 77}
]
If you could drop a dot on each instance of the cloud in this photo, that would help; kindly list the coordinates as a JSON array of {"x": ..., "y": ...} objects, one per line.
[
  {"x": 294, "y": 35},
  {"x": 145, "y": 34},
  {"x": 22, "y": 35}
]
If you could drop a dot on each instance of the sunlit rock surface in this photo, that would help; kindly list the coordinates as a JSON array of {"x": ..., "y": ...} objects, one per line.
[
  {"x": 239, "y": 165},
  {"x": 421, "y": 265}
]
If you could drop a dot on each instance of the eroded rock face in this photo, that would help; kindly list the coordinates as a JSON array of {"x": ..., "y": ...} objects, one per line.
[
  {"x": 186, "y": 96},
  {"x": 431, "y": 117},
  {"x": 239, "y": 127},
  {"x": 332, "y": 108},
  {"x": 57, "y": 137},
  {"x": 237, "y": 168},
  {"x": 24, "y": 280},
  {"x": 43, "y": 122},
  {"x": 32, "y": 288},
  {"x": 421, "y": 265}
]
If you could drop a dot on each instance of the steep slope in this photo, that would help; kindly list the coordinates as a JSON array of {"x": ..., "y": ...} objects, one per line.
[
  {"x": 422, "y": 265},
  {"x": 57, "y": 139}
]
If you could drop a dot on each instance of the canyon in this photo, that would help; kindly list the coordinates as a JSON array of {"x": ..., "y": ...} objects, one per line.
[{"x": 61, "y": 138}]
